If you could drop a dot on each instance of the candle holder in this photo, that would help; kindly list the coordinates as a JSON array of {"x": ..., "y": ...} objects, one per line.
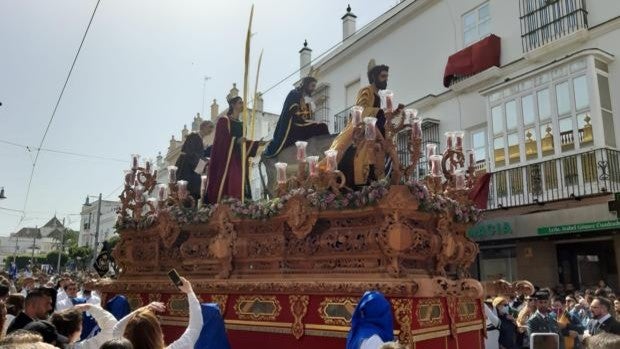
[
  {"x": 370, "y": 131},
  {"x": 356, "y": 115},
  {"x": 138, "y": 182}
]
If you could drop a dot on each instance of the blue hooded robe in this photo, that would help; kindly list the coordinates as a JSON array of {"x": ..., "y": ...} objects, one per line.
[
  {"x": 213, "y": 334},
  {"x": 372, "y": 316}
]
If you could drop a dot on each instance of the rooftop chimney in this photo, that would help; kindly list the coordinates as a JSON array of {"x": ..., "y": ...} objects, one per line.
[
  {"x": 305, "y": 57},
  {"x": 215, "y": 110},
  {"x": 196, "y": 123},
  {"x": 348, "y": 24}
]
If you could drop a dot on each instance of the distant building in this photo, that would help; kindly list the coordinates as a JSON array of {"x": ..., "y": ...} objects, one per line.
[
  {"x": 264, "y": 127},
  {"x": 88, "y": 222},
  {"x": 42, "y": 240}
]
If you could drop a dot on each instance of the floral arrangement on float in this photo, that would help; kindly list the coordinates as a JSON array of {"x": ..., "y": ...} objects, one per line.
[{"x": 444, "y": 190}]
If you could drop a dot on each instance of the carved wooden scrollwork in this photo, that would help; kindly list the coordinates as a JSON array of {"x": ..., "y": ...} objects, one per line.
[
  {"x": 299, "y": 308},
  {"x": 301, "y": 217},
  {"x": 403, "y": 313},
  {"x": 222, "y": 244},
  {"x": 168, "y": 229}
]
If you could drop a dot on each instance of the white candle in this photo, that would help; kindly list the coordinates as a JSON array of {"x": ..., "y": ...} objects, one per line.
[
  {"x": 449, "y": 136},
  {"x": 458, "y": 135},
  {"x": 301, "y": 150},
  {"x": 281, "y": 172},
  {"x": 436, "y": 165},
  {"x": 370, "y": 131},
  {"x": 172, "y": 174},
  {"x": 356, "y": 114},
  {"x": 147, "y": 166},
  {"x": 431, "y": 149},
  {"x": 312, "y": 161},
  {"x": 135, "y": 159},
  {"x": 203, "y": 185},
  {"x": 389, "y": 101},
  {"x": 416, "y": 128},
  {"x": 331, "y": 156},
  {"x": 471, "y": 158},
  {"x": 182, "y": 187},
  {"x": 162, "y": 192}
]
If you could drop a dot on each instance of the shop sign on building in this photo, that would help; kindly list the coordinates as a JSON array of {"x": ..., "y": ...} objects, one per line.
[{"x": 579, "y": 228}]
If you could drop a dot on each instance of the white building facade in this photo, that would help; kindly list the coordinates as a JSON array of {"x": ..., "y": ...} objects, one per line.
[
  {"x": 88, "y": 222},
  {"x": 542, "y": 120}
]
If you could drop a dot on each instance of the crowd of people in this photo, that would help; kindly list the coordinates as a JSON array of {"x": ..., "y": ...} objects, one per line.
[
  {"x": 582, "y": 319},
  {"x": 64, "y": 312}
]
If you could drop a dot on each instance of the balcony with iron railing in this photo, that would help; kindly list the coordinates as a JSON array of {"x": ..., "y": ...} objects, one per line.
[
  {"x": 341, "y": 119},
  {"x": 587, "y": 173},
  {"x": 545, "y": 21}
]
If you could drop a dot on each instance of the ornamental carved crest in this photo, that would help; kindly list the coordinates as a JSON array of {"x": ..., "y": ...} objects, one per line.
[
  {"x": 301, "y": 217},
  {"x": 168, "y": 229}
]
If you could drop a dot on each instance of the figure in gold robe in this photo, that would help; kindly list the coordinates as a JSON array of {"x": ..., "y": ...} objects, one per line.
[{"x": 362, "y": 165}]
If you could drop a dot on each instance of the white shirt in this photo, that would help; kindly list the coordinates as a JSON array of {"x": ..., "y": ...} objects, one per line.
[
  {"x": 373, "y": 342},
  {"x": 64, "y": 304},
  {"x": 188, "y": 338},
  {"x": 7, "y": 321},
  {"x": 106, "y": 323}
]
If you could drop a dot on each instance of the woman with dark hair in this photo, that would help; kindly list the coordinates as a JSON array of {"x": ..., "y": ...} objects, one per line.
[
  {"x": 225, "y": 166},
  {"x": 118, "y": 343}
]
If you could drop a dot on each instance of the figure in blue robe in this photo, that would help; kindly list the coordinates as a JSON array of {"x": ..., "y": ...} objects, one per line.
[
  {"x": 295, "y": 122},
  {"x": 213, "y": 334},
  {"x": 372, "y": 317}
]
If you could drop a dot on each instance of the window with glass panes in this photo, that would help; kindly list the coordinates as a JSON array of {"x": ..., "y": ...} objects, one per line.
[
  {"x": 476, "y": 24},
  {"x": 544, "y": 115}
]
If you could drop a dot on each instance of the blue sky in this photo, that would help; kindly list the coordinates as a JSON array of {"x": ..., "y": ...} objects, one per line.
[{"x": 138, "y": 79}]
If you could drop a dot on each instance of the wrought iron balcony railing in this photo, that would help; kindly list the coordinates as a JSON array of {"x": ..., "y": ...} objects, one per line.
[
  {"x": 544, "y": 21},
  {"x": 570, "y": 177},
  {"x": 340, "y": 120}
]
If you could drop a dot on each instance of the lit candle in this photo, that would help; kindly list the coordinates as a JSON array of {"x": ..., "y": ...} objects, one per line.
[
  {"x": 370, "y": 131},
  {"x": 203, "y": 185},
  {"x": 139, "y": 191},
  {"x": 172, "y": 174},
  {"x": 135, "y": 158},
  {"x": 458, "y": 135},
  {"x": 162, "y": 192},
  {"x": 431, "y": 149},
  {"x": 331, "y": 156},
  {"x": 312, "y": 161},
  {"x": 147, "y": 166},
  {"x": 449, "y": 136},
  {"x": 356, "y": 115},
  {"x": 301, "y": 150},
  {"x": 389, "y": 100},
  {"x": 436, "y": 165},
  {"x": 182, "y": 186},
  {"x": 471, "y": 158},
  {"x": 416, "y": 128},
  {"x": 459, "y": 180},
  {"x": 281, "y": 172}
]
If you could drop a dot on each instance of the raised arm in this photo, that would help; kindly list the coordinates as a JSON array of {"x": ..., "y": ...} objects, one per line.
[{"x": 191, "y": 334}]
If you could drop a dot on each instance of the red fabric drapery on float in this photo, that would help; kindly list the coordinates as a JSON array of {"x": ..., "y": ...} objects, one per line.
[{"x": 473, "y": 59}]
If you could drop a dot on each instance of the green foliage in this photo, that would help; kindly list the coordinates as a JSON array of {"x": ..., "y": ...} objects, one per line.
[
  {"x": 82, "y": 252},
  {"x": 52, "y": 259},
  {"x": 23, "y": 260}
]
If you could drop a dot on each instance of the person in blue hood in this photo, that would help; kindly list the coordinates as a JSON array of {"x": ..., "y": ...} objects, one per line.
[
  {"x": 371, "y": 324},
  {"x": 213, "y": 334}
]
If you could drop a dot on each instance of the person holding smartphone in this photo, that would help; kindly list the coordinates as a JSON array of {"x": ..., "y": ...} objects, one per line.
[{"x": 143, "y": 330}]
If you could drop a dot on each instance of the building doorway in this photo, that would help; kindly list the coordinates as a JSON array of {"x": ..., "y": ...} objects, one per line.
[{"x": 583, "y": 264}]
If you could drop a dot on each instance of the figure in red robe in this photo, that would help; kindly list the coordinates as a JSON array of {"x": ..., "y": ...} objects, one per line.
[{"x": 225, "y": 165}]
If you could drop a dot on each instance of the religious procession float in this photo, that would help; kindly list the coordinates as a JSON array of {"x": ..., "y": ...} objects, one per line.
[{"x": 288, "y": 271}]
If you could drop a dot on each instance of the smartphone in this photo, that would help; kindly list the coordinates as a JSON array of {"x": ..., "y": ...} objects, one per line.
[
  {"x": 544, "y": 341},
  {"x": 175, "y": 277}
]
